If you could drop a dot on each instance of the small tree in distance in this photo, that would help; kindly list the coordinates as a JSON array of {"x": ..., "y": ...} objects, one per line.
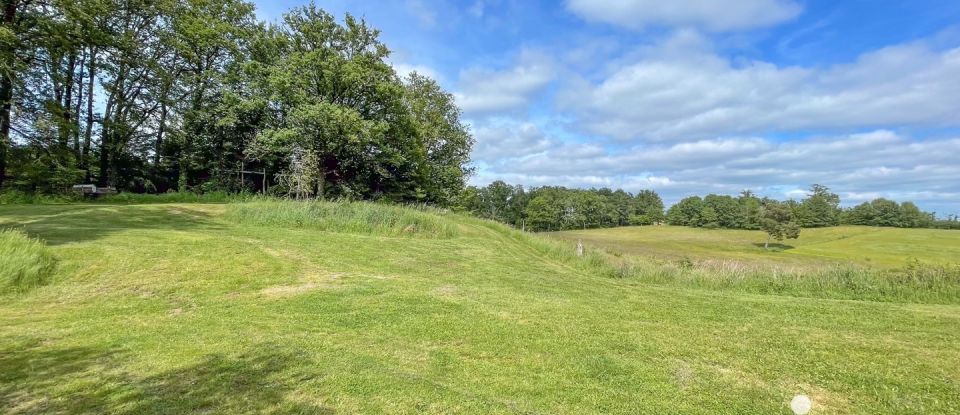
[{"x": 777, "y": 221}]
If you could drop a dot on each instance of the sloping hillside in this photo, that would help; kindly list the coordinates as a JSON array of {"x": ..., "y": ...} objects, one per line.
[{"x": 285, "y": 308}]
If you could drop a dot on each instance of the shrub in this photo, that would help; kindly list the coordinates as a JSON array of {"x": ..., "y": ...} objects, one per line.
[
  {"x": 173, "y": 197},
  {"x": 16, "y": 197},
  {"x": 343, "y": 216},
  {"x": 25, "y": 263}
]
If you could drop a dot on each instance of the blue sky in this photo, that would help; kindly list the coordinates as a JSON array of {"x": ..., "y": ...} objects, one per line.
[{"x": 697, "y": 96}]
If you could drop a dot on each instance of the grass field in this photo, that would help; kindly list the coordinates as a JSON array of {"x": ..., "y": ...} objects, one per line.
[
  {"x": 861, "y": 245},
  {"x": 265, "y": 307}
]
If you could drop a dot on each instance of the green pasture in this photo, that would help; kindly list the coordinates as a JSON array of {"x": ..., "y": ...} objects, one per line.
[{"x": 861, "y": 245}]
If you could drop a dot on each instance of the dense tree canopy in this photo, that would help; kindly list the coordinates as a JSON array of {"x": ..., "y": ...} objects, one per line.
[
  {"x": 820, "y": 208},
  {"x": 185, "y": 94},
  {"x": 553, "y": 208},
  {"x": 884, "y": 212},
  {"x": 559, "y": 208}
]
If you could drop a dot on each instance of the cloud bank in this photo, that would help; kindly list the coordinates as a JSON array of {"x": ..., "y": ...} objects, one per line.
[{"x": 711, "y": 15}]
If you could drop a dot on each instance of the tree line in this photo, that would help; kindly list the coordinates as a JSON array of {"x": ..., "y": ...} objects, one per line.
[
  {"x": 555, "y": 208},
  {"x": 820, "y": 208},
  {"x": 157, "y": 95},
  {"x": 552, "y": 208}
]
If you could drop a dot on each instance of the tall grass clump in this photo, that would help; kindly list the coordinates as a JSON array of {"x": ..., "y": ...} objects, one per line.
[
  {"x": 25, "y": 263},
  {"x": 173, "y": 197},
  {"x": 343, "y": 216},
  {"x": 17, "y": 197},
  {"x": 916, "y": 283}
]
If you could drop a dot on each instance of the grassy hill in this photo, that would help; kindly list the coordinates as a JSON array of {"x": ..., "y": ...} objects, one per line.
[
  {"x": 281, "y": 307},
  {"x": 863, "y": 245}
]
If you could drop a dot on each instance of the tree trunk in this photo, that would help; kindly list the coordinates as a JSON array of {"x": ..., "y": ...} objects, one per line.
[
  {"x": 88, "y": 132},
  {"x": 182, "y": 179},
  {"x": 104, "y": 178},
  {"x": 321, "y": 180},
  {"x": 160, "y": 131},
  {"x": 223, "y": 177},
  {"x": 6, "y": 95},
  {"x": 6, "y": 98},
  {"x": 67, "y": 104},
  {"x": 77, "y": 110},
  {"x": 113, "y": 111},
  {"x": 196, "y": 103}
]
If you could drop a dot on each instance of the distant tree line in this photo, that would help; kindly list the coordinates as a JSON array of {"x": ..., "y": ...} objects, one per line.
[
  {"x": 154, "y": 95},
  {"x": 820, "y": 208},
  {"x": 553, "y": 208}
]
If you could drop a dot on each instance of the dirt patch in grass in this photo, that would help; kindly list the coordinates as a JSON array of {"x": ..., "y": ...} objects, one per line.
[{"x": 310, "y": 282}]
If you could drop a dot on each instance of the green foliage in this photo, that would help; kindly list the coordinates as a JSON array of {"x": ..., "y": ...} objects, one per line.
[
  {"x": 195, "y": 91},
  {"x": 551, "y": 208},
  {"x": 647, "y": 207},
  {"x": 350, "y": 128},
  {"x": 498, "y": 201},
  {"x": 41, "y": 174},
  {"x": 343, "y": 216},
  {"x": 820, "y": 208},
  {"x": 18, "y": 197},
  {"x": 725, "y": 211},
  {"x": 748, "y": 216},
  {"x": 446, "y": 140},
  {"x": 778, "y": 222},
  {"x": 687, "y": 212},
  {"x": 544, "y": 212},
  {"x": 558, "y": 208},
  {"x": 25, "y": 263},
  {"x": 884, "y": 212},
  {"x": 640, "y": 220}
]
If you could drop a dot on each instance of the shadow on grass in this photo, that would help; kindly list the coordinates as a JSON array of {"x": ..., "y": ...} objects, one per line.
[
  {"x": 57, "y": 225},
  {"x": 82, "y": 380},
  {"x": 775, "y": 247}
]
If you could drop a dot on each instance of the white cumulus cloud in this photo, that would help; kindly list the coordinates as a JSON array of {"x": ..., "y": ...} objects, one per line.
[
  {"x": 485, "y": 91},
  {"x": 880, "y": 163},
  {"x": 676, "y": 91},
  {"x": 712, "y": 15},
  {"x": 495, "y": 141}
]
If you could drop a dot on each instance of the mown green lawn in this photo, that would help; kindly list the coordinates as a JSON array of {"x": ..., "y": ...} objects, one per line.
[
  {"x": 175, "y": 309},
  {"x": 861, "y": 245}
]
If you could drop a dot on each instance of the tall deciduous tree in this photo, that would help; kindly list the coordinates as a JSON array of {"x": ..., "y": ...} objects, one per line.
[
  {"x": 443, "y": 137},
  {"x": 334, "y": 95},
  {"x": 687, "y": 212},
  {"x": 206, "y": 36},
  {"x": 647, "y": 208},
  {"x": 19, "y": 32}
]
